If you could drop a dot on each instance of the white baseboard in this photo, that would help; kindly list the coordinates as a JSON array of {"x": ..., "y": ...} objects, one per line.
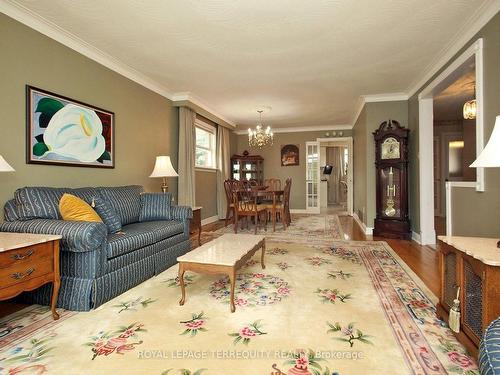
[
  {"x": 209, "y": 220},
  {"x": 299, "y": 211},
  {"x": 366, "y": 230},
  {"x": 416, "y": 237}
]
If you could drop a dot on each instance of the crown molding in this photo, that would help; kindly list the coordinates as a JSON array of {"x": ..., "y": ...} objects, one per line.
[
  {"x": 45, "y": 27},
  {"x": 377, "y": 98},
  {"x": 469, "y": 29},
  {"x": 387, "y": 97},
  {"x": 189, "y": 100},
  {"x": 359, "y": 109},
  {"x": 301, "y": 129}
]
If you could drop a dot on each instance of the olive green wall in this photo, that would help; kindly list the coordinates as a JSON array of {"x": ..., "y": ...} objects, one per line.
[
  {"x": 372, "y": 115},
  {"x": 272, "y": 161},
  {"x": 474, "y": 213},
  {"x": 206, "y": 192},
  {"x": 145, "y": 123}
]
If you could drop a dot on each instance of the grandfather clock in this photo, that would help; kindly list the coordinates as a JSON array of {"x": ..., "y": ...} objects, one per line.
[{"x": 391, "y": 161}]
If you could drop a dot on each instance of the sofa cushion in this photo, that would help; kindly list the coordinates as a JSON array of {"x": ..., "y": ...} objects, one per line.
[
  {"x": 73, "y": 208},
  {"x": 125, "y": 200},
  {"x": 107, "y": 214},
  {"x": 137, "y": 235},
  {"x": 10, "y": 211},
  {"x": 43, "y": 202},
  {"x": 155, "y": 206}
]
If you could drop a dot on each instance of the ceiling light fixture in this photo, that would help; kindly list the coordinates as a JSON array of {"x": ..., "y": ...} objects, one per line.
[
  {"x": 470, "y": 108},
  {"x": 260, "y": 137}
]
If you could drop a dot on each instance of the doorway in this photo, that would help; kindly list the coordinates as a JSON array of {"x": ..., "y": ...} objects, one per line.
[
  {"x": 336, "y": 182},
  {"x": 455, "y": 141}
]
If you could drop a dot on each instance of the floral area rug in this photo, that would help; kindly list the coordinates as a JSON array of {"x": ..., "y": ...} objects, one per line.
[
  {"x": 310, "y": 228},
  {"x": 350, "y": 308}
]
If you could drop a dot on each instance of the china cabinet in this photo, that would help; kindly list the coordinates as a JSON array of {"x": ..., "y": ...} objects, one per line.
[{"x": 247, "y": 167}]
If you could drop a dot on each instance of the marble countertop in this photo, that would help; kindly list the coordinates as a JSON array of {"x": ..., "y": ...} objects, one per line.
[
  {"x": 225, "y": 250},
  {"x": 11, "y": 241},
  {"x": 483, "y": 249}
]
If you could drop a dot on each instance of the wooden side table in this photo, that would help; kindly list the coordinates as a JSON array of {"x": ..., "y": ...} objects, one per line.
[
  {"x": 28, "y": 261},
  {"x": 196, "y": 223}
]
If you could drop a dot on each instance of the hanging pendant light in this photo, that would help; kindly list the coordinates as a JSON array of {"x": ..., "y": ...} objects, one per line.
[
  {"x": 470, "y": 108},
  {"x": 260, "y": 137}
]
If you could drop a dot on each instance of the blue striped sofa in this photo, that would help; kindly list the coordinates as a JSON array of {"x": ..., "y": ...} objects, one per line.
[
  {"x": 96, "y": 265},
  {"x": 489, "y": 350}
]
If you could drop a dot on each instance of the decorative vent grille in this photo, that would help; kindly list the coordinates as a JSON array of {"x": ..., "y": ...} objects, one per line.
[
  {"x": 473, "y": 309},
  {"x": 450, "y": 279}
]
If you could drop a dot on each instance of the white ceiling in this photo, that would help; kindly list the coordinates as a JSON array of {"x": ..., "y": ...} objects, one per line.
[{"x": 308, "y": 60}]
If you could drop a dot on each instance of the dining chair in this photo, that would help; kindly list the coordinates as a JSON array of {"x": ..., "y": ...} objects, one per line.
[
  {"x": 229, "y": 187},
  {"x": 245, "y": 206},
  {"x": 279, "y": 209},
  {"x": 273, "y": 183}
]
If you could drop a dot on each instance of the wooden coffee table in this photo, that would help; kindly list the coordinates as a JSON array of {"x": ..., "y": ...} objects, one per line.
[{"x": 224, "y": 255}]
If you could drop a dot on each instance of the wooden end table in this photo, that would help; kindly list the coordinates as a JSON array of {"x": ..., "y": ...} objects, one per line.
[
  {"x": 224, "y": 255},
  {"x": 195, "y": 223},
  {"x": 28, "y": 261}
]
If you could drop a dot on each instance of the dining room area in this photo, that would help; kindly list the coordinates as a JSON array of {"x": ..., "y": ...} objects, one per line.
[{"x": 251, "y": 203}]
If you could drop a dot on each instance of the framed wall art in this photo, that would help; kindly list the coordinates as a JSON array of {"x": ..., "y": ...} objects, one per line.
[
  {"x": 289, "y": 155},
  {"x": 64, "y": 131}
]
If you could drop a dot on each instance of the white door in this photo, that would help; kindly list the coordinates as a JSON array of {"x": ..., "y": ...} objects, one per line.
[{"x": 312, "y": 177}]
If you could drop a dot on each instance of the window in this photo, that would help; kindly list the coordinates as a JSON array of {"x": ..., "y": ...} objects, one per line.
[{"x": 205, "y": 145}]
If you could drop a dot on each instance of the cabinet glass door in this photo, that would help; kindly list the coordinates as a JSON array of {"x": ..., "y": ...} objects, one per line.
[{"x": 312, "y": 176}]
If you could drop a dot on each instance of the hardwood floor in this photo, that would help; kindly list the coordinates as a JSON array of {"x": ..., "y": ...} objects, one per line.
[{"x": 421, "y": 259}]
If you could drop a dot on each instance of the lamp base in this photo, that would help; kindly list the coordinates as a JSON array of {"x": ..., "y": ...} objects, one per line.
[{"x": 164, "y": 186}]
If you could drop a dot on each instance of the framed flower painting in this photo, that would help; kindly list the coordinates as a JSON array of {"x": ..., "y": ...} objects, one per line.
[{"x": 63, "y": 131}]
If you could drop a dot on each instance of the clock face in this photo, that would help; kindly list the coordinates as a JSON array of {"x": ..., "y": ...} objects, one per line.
[{"x": 390, "y": 149}]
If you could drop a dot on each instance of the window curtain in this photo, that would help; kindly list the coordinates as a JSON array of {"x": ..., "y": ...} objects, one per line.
[
  {"x": 187, "y": 147},
  {"x": 335, "y": 157},
  {"x": 223, "y": 160}
]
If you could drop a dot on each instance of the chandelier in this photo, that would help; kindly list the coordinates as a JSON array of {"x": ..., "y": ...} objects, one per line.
[
  {"x": 470, "y": 107},
  {"x": 260, "y": 137}
]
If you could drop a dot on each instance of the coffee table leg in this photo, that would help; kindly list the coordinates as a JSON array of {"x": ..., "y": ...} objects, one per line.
[
  {"x": 232, "y": 279},
  {"x": 262, "y": 255},
  {"x": 181, "y": 281}
]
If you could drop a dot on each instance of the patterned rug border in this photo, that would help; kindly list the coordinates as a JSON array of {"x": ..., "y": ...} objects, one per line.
[{"x": 429, "y": 294}]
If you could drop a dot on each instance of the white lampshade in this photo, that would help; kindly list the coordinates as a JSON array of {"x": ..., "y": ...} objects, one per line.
[
  {"x": 490, "y": 156},
  {"x": 4, "y": 166},
  {"x": 163, "y": 168}
]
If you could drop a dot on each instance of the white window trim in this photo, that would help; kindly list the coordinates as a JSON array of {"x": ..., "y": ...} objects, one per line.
[{"x": 198, "y": 123}]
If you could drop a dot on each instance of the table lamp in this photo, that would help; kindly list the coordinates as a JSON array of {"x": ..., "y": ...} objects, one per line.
[
  {"x": 490, "y": 156},
  {"x": 163, "y": 168},
  {"x": 4, "y": 166}
]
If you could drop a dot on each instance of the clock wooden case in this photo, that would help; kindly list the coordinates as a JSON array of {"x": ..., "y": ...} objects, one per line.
[{"x": 391, "y": 162}]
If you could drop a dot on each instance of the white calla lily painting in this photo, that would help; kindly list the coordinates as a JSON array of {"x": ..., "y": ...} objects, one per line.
[{"x": 63, "y": 131}]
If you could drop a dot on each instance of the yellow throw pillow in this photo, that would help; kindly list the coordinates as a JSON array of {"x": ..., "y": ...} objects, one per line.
[{"x": 75, "y": 209}]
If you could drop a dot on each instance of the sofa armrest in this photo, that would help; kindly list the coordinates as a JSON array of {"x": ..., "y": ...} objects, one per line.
[
  {"x": 181, "y": 213},
  {"x": 77, "y": 236}
]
